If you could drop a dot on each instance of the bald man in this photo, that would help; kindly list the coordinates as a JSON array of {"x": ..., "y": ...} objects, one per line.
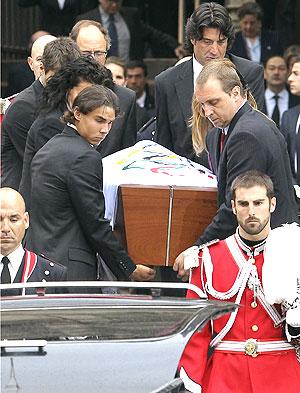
[
  {"x": 24, "y": 109},
  {"x": 21, "y": 74},
  {"x": 93, "y": 40},
  {"x": 18, "y": 264},
  {"x": 37, "y": 49}
]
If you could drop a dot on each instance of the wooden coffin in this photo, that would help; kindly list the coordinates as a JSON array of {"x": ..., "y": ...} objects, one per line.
[{"x": 156, "y": 223}]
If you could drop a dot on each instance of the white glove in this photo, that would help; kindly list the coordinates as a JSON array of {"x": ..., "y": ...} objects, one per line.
[{"x": 191, "y": 257}]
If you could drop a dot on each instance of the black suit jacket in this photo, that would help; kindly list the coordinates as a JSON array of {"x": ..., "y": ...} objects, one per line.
[
  {"x": 19, "y": 78},
  {"x": 17, "y": 120},
  {"x": 144, "y": 114},
  {"x": 56, "y": 21},
  {"x": 174, "y": 90},
  {"x": 270, "y": 46},
  {"x": 44, "y": 270},
  {"x": 122, "y": 134},
  {"x": 253, "y": 142},
  {"x": 67, "y": 209},
  {"x": 140, "y": 33},
  {"x": 288, "y": 129}
]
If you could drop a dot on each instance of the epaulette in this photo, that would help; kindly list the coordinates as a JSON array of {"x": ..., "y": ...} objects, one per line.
[{"x": 208, "y": 244}]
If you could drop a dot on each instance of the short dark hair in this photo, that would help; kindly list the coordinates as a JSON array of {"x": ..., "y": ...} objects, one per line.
[
  {"x": 297, "y": 59},
  {"x": 290, "y": 52},
  {"x": 272, "y": 57},
  {"x": 82, "y": 69},
  {"x": 59, "y": 53},
  {"x": 137, "y": 63},
  {"x": 210, "y": 15},
  {"x": 86, "y": 23},
  {"x": 251, "y": 179},
  {"x": 250, "y": 9},
  {"x": 91, "y": 98}
]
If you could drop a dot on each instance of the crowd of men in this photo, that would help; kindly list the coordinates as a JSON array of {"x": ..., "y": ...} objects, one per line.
[{"x": 232, "y": 105}]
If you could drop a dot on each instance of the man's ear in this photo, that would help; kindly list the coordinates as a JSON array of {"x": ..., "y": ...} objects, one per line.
[
  {"x": 26, "y": 220},
  {"x": 30, "y": 62},
  {"x": 77, "y": 114},
  {"x": 236, "y": 92},
  {"x": 233, "y": 206},
  {"x": 272, "y": 204}
]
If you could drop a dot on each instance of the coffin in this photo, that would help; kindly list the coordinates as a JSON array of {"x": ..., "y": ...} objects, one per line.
[{"x": 156, "y": 223}]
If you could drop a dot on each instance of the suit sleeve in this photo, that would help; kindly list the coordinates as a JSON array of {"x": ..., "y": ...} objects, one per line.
[
  {"x": 255, "y": 80},
  {"x": 130, "y": 132},
  {"x": 41, "y": 131},
  {"x": 86, "y": 192},
  {"x": 17, "y": 125},
  {"x": 244, "y": 153},
  {"x": 284, "y": 129},
  {"x": 163, "y": 134},
  {"x": 193, "y": 361}
]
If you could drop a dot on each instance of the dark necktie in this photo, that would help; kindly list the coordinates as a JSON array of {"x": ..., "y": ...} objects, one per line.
[
  {"x": 112, "y": 31},
  {"x": 5, "y": 274},
  {"x": 222, "y": 139},
  {"x": 297, "y": 151},
  {"x": 276, "y": 113}
]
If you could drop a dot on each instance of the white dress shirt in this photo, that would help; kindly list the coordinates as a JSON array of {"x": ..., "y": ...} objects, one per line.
[
  {"x": 141, "y": 100},
  {"x": 122, "y": 31},
  {"x": 15, "y": 260},
  {"x": 61, "y": 4},
  {"x": 254, "y": 49},
  {"x": 283, "y": 101},
  {"x": 197, "y": 68}
]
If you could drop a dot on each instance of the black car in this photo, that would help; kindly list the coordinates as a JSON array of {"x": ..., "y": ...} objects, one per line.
[{"x": 97, "y": 343}]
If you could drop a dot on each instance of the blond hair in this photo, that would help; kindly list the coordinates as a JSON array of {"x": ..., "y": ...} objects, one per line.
[{"x": 224, "y": 71}]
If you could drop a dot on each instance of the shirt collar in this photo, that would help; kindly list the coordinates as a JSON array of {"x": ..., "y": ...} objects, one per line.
[
  {"x": 141, "y": 101},
  {"x": 197, "y": 68},
  {"x": 105, "y": 15},
  {"x": 75, "y": 128},
  {"x": 270, "y": 94},
  {"x": 15, "y": 260},
  {"x": 255, "y": 250}
]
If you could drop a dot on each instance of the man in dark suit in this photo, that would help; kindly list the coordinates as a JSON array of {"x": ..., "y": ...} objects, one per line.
[
  {"x": 277, "y": 97},
  {"x": 22, "y": 75},
  {"x": 18, "y": 264},
  {"x": 23, "y": 110},
  {"x": 128, "y": 33},
  {"x": 136, "y": 80},
  {"x": 290, "y": 125},
  {"x": 210, "y": 33},
  {"x": 241, "y": 139},
  {"x": 93, "y": 40},
  {"x": 58, "y": 16},
  {"x": 253, "y": 42},
  {"x": 67, "y": 211},
  {"x": 59, "y": 92}
]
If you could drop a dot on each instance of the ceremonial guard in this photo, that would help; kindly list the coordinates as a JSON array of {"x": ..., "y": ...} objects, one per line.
[
  {"x": 18, "y": 265},
  {"x": 254, "y": 349}
]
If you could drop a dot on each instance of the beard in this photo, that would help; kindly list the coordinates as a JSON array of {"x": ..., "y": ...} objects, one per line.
[{"x": 253, "y": 226}]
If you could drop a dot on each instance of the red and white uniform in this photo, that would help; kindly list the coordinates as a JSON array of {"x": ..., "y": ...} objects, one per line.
[{"x": 231, "y": 271}]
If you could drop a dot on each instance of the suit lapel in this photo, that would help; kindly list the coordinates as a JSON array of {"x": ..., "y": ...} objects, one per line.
[
  {"x": 184, "y": 87},
  {"x": 245, "y": 108}
]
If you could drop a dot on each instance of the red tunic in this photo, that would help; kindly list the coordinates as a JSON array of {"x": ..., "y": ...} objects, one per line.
[{"x": 224, "y": 372}]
